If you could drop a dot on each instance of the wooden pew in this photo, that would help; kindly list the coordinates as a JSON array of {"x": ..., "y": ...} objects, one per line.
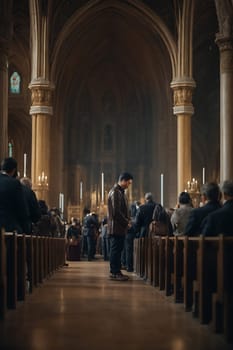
[
  {"x": 222, "y": 301},
  {"x": 142, "y": 256},
  {"x": 178, "y": 269},
  {"x": 30, "y": 263},
  {"x": 21, "y": 266},
  {"x": 145, "y": 269},
  {"x": 149, "y": 260},
  {"x": 161, "y": 262},
  {"x": 136, "y": 256},
  {"x": 169, "y": 265},
  {"x": 41, "y": 259},
  {"x": 3, "y": 281},
  {"x": 11, "y": 269},
  {"x": 155, "y": 261},
  {"x": 198, "y": 270},
  {"x": 36, "y": 260},
  {"x": 189, "y": 269},
  {"x": 206, "y": 283}
]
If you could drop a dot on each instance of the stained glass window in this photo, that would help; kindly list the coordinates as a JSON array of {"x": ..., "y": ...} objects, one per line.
[{"x": 15, "y": 82}]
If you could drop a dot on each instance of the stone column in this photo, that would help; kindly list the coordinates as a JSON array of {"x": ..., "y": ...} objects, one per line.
[
  {"x": 183, "y": 109},
  {"x": 225, "y": 44},
  {"x": 41, "y": 111},
  {"x": 3, "y": 103}
]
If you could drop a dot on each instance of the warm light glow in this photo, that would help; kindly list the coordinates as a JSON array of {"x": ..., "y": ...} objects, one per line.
[
  {"x": 43, "y": 179},
  {"x": 192, "y": 186}
]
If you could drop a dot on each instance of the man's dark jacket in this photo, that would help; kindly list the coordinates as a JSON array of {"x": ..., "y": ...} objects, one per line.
[
  {"x": 33, "y": 209},
  {"x": 118, "y": 213},
  {"x": 220, "y": 221},
  {"x": 143, "y": 219},
  {"x": 197, "y": 215}
]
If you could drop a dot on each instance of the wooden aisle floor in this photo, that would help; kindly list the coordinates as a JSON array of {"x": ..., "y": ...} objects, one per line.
[{"x": 78, "y": 307}]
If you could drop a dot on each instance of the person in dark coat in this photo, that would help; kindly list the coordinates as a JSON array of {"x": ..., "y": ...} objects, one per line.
[
  {"x": 45, "y": 225},
  {"x": 90, "y": 227},
  {"x": 144, "y": 216},
  {"x": 13, "y": 208},
  {"x": 74, "y": 233},
  {"x": 34, "y": 212},
  {"x": 118, "y": 224},
  {"x": 211, "y": 198},
  {"x": 221, "y": 220}
]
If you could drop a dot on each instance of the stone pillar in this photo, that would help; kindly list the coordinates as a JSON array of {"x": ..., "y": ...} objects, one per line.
[
  {"x": 183, "y": 109},
  {"x": 41, "y": 111},
  {"x": 3, "y": 103},
  {"x": 225, "y": 44}
]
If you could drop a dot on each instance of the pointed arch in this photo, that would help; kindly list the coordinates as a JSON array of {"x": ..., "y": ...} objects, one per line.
[{"x": 128, "y": 8}]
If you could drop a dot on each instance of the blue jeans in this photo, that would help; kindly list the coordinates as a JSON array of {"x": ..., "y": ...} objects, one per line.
[{"x": 116, "y": 247}]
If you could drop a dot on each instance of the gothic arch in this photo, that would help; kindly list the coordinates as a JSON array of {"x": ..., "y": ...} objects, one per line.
[{"x": 132, "y": 8}]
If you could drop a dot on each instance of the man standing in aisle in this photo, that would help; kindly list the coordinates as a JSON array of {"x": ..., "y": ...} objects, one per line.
[{"x": 118, "y": 224}]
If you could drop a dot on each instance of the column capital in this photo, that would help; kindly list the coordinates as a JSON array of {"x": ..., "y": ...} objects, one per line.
[
  {"x": 41, "y": 96},
  {"x": 225, "y": 43},
  {"x": 182, "y": 95}
]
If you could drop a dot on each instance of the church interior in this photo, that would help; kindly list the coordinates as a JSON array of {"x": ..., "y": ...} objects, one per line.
[
  {"x": 101, "y": 87},
  {"x": 89, "y": 89}
]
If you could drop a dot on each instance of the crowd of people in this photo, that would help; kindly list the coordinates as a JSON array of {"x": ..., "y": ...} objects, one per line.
[
  {"x": 114, "y": 236},
  {"x": 214, "y": 216}
]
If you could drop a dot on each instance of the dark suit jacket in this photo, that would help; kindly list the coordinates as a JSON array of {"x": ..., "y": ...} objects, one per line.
[
  {"x": 220, "y": 221},
  {"x": 13, "y": 210},
  {"x": 196, "y": 216},
  {"x": 118, "y": 213},
  {"x": 143, "y": 219},
  {"x": 33, "y": 208}
]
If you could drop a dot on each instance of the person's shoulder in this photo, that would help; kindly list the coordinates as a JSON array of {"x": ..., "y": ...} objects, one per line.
[{"x": 214, "y": 215}]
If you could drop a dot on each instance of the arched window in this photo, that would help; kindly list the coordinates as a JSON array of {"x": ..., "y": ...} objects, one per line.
[{"x": 15, "y": 83}]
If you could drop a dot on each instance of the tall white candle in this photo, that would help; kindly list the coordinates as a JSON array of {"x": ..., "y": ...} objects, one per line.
[
  {"x": 102, "y": 187},
  {"x": 203, "y": 176},
  {"x": 10, "y": 153},
  {"x": 81, "y": 190},
  {"x": 161, "y": 189},
  {"x": 61, "y": 202},
  {"x": 24, "y": 165}
]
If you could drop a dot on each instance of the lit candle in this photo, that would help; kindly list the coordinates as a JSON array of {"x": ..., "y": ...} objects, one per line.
[
  {"x": 81, "y": 191},
  {"x": 24, "y": 165},
  {"x": 203, "y": 176},
  {"x": 10, "y": 149},
  {"x": 161, "y": 184},
  {"x": 62, "y": 202},
  {"x": 102, "y": 187}
]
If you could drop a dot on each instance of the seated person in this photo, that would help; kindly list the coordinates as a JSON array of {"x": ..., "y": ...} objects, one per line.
[
  {"x": 210, "y": 193},
  {"x": 73, "y": 240},
  {"x": 181, "y": 214},
  {"x": 74, "y": 231},
  {"x": 221, "y": 220}
]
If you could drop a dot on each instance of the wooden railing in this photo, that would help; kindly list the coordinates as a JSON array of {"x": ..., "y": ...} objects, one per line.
[
  {"x": 195, "y": 271},
  {"x": 25, "y": 262}
]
